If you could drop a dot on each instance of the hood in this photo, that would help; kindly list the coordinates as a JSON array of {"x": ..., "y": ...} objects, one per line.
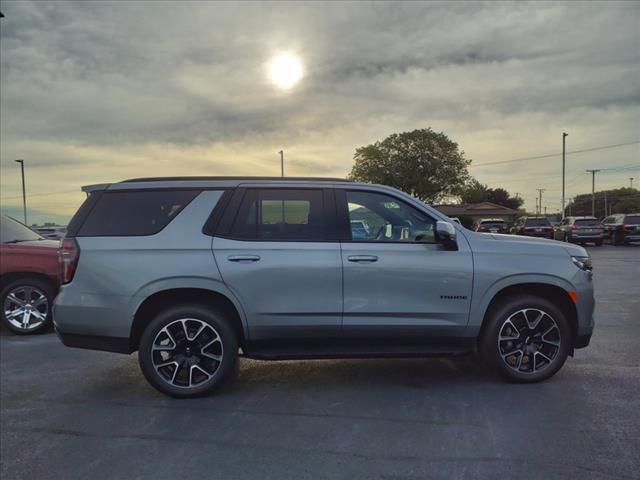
[{"x": 571, "y": 249}]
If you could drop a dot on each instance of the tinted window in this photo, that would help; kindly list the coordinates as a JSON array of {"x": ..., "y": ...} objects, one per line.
[
  {"x": 587, "y": 222},
  {"x": 538, "y": 222},
  {"x": 380, "y": 218},
  {"x": 492, "y": 224},
  {"x": 125, "y": 213},
  {"x": 632, "y": 220},
  {"x": 13, "y": 231},
  {"x": 272, "y": 214}
]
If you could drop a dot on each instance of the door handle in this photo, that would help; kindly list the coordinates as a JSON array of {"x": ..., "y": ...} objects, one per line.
[
  {"x": 362, "y": 258},
  {"x": 243, "y": 258}
]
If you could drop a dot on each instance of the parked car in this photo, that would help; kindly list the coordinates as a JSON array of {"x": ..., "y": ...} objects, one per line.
[
  {"x": 622, "y": 228},
  {"x": 580, "y": 230},
  {"x": 533, "y": 227},
  {"x": 51, "y": 233},
  {"x": 492, "y": 225},
  {"x": 29, "y": 277},
  {"x": 207, "y": 268}
]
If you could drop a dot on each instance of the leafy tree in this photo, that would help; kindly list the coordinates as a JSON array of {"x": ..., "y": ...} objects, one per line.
[
  {"x": 620, "y": 200},
  {"x": 500, "y": 196},
  {"x": 476, "y": 192},
  {"x": 426, "y": 164}
]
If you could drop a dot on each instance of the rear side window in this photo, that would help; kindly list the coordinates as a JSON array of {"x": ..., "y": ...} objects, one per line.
[
  {"x": 538, "y": 222},
  {"x": 134, "y": 213},
  {"x": 289, "y": 214},
  {"x": 632, "y": 220}
]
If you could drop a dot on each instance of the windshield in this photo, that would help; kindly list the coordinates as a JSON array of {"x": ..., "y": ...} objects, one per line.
[
  {"x": 497, "y": 224},
  {"x": 538, "y": 222},
  {"x": 632, "y": 220},
  {"x": 587, "y": 222},
  {"x": 12, "y": 231}
]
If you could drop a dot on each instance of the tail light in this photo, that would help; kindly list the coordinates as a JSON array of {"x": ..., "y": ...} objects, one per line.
[{"x": 68, "y": 257}]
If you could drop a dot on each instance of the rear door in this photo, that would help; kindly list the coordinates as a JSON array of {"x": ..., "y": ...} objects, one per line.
[
  {"x": 400, "y": 284},
  {"x": 277, "y": 250}
]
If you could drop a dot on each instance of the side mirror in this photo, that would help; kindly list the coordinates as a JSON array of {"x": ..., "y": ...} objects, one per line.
[{"x": 447, "y": 235}]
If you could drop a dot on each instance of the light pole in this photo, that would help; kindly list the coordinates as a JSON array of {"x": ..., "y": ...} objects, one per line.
[
  {"x": 630, "y": 182},
  {"x": 24, "y": 195},
  {"x": 281, "y": 152},
  {"x": 564, "y": 136},
  {"x": 540, "y": 190},
  {"x": 593, "y": 191}
]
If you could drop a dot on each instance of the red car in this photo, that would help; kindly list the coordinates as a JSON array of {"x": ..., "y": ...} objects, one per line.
[{"x": 29, "y": 277}]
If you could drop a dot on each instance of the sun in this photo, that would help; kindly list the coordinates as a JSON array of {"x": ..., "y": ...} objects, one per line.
[{"x": 285, "y": 70}]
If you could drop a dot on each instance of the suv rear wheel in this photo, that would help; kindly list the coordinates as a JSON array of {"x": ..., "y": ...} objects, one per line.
[
  {"x": 26, "y": 305},
  {"x": 526, "y": 340},
  {"x": 187, "y": 351}
]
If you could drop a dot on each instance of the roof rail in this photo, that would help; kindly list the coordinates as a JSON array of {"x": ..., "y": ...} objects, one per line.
[{"x": 236, "y": 178}]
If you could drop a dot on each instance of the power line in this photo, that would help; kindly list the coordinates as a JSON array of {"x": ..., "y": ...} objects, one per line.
[
  {"x": 551, "y": 155},
  {"x": 42, "y": 194}
]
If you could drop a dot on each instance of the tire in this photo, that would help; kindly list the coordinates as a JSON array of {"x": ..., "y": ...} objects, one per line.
[
  {"x": 566, "y": 238},
  {"x": 27, "y": 318},
  {"x": 523, "y": 357},
  {"x": 199, "y": 361}
]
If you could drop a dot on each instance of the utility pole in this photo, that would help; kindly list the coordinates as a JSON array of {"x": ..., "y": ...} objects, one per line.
[
  {"x": 536, "y": 205},
  {"x": 281, "y": 152},
  {"x": 564, "y": 136},
  {"x": 593, "y": 191},
  {"x": 630, "y": 182},
  {"x": 24, "y": 194},
  {"x": 545, "y": 210},
  {"x": 605, "y": 203},
  {"x": 540, "y": 190}
]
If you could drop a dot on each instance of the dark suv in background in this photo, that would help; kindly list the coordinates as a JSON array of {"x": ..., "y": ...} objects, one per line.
[
  {"x": 622, "y": 228},
  {"x": 492, "y": 225},
  {"x": 580, "y": 230},
  {"x": 533, "y": 227}
]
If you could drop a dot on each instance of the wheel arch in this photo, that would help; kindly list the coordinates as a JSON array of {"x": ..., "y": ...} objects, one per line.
[
  {"x": 7, "y": 278},
  {"x": 160, "y": 299},
  {"x": 553, "y": 292}
]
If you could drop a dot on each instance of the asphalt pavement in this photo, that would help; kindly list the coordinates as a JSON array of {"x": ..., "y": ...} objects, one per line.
[{"x": 77, "y": 414}]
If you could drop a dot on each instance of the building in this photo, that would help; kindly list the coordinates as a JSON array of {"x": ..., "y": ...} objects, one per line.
[{"x": 474, "y": 212}]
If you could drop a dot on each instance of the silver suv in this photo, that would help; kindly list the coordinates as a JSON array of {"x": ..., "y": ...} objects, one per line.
[{"x": 193, "y": 272}]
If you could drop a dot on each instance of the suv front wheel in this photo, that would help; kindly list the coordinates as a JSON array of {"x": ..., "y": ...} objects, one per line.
[
  {"x": 187, "y": 351},
  {"x": 527, "y": 339}
]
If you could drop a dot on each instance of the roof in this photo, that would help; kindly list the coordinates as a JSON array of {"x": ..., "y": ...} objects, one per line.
[
  {"x": 486, "y": 209},
  {"x": 204, "y": 182},
  {"x": 234, "y": 178}
]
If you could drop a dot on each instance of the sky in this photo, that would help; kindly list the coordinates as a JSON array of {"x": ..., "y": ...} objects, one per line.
[{"x": 98, "y": 92}]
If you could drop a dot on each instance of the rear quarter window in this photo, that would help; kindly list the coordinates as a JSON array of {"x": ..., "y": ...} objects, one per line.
[
  {"x": 538, "y": 222},
  {"x": 632, "y": 220},
  {"x": 134, "y": 213}
]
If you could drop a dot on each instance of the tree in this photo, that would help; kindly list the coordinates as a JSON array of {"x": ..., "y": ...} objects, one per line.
[
  {"x": 476, "y": 192},
  {"x": 620, "y": 200},
  {"x": 426, "y": 164},
  {"x": 500, "y": 196}
]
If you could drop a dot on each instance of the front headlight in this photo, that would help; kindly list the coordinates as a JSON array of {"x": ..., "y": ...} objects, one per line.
[{"x": 583, "y": 263}]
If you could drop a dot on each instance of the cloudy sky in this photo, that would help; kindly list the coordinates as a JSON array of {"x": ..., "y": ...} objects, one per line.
[{"x": 98, "y": 92}]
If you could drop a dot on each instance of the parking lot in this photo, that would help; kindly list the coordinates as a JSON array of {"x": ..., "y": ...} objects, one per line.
[{"x": 70, "y": 413}]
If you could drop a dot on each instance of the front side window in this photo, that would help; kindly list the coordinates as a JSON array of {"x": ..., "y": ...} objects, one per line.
[
  {"x": 375, "y": 217},
  {"x": 288, "y": 215}
]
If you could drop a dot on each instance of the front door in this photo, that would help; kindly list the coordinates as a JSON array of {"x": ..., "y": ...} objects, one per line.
[
  {"x": 400, "y": 284},
  {"x": 279, "y": 259}
]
